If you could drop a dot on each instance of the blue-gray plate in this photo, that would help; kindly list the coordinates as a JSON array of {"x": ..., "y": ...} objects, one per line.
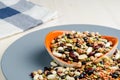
[{"x": 28, "y": 53}]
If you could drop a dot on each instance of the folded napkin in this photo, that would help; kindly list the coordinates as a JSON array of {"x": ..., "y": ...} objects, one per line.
[{"x": 20, "y": 15}]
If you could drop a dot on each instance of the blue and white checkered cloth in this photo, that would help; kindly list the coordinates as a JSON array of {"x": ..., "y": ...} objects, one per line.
[{"x": 20, "y": 15}]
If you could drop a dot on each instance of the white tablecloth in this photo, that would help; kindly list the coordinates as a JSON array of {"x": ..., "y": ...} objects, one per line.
[{"x": 98, "y": 12}]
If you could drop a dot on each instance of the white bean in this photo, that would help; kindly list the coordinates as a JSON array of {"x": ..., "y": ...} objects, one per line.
[
  {"x": 60, "y": 48},
  {"x": 89, "y": 50},
  {"x": 36, "y": 77},
  {"x": 51, "y": 76},
  {"x": 98, "y": 54},
  {"x": 69, "y": 78},
  {"x": 53, "y": 64},
  {"x": 83, "y": 56},
  {"x": 117, "y": 56},
  {"x": 76, "y": 53},
  {"x": 107, "y": 44},
  {"x": 68, "y": 44},
  {"x": 40, "y": 77},
  {"x": 57, "y": 54},
  {"x": 77, "y": 73}
]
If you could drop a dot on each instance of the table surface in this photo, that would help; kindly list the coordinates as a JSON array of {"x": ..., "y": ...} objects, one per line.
[{"x": 97, "y": 12}]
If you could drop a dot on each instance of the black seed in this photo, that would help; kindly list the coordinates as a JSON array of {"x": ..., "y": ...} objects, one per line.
[
  {"x": 115, "y": 75},
  {"x": 99, "y": 78},
  {"x": 101, "y": 62},
  {"x": 61, "y": 51},
  {"x": 48, "y": 73},
  {"x": 101, "y": 45},
  {"x": 69, "y": 48},
  {"x": 72, "y": 55},
  {"x": 63, "y": 77},
  {"x": 66, "y": 59},
  {"x": 118, "y": 60},
  {"x": 47, "y": 68},
  {"x": 76, "y": 77},
  {"x": 64, "y": 66},
  {"x": 97, "y": 38},
  {"x": 31, "y": 75},
  {"x": 62, "y": 44},
  {"x": 91, "y": 54},
  {"x": 56, "y": 40},
  {"x": 115, "y": 52},
  {"x": 83, "y": 62},
  {"x": 69, "y": 36},
  {"x": 56, "y": 69},
  {"x": 96, "y": 47},
  {"x": 75, "y": 59},
  {"x": 66, "y": 49},
  {"x": 78, "y": 45},
  {"x": 89, "y": 35},
  {"x": 88, "y": 44},
  {"x": 82, "y": 75},
  {"x": 89, "y": 71},
  {"x": 85, "y": 39}
]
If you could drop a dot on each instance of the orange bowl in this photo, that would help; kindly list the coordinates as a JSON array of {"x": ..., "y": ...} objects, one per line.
[{"x": 53, "y": 34}]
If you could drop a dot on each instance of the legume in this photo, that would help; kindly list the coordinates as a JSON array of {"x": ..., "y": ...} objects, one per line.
[
  {"x": 78, "y": 46},
  {"x": 108, "y": 68}
]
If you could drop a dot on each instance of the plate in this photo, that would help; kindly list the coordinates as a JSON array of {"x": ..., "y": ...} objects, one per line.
[{"x": 28, "y": 53}]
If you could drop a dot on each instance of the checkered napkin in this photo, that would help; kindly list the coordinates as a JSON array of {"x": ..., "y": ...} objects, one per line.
[{"x": 20, "y": 15}]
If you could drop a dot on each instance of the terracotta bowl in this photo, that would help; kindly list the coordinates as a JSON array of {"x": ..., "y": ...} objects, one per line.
[{"x": 51, "y": 35}]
